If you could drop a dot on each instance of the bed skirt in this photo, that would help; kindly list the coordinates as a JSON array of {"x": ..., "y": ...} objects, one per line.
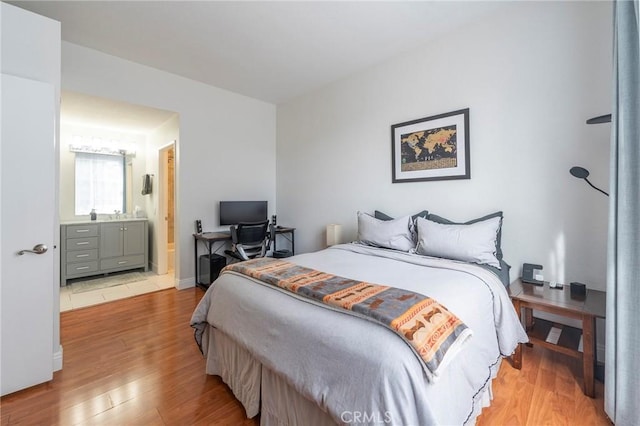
[
  {"x": 260, "y": 390},
  {"x": 257, "y": 388}
]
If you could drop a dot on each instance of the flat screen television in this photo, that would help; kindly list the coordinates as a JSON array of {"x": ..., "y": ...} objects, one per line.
[{"x": 234, "y": 212}]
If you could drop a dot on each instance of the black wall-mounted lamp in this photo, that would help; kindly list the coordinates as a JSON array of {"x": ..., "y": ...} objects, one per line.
[
  {"x": 600, "y": 119},
  {"x": 582, "y": 173}
]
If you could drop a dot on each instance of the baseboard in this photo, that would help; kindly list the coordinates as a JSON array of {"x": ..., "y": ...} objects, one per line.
[
  {"x": 186, "y": 283},
  {"x": 154, "y": 267},
  {"x": 57, "y": 359}
]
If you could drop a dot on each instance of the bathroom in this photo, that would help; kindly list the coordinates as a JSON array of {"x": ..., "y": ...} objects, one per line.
[{"x": 118, "y": 160}]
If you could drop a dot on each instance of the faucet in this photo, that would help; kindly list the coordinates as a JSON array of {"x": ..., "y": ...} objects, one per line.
[{"x": 117, "y": 212}]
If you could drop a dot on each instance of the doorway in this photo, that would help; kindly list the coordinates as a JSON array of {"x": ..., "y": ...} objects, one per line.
[
  {"x": 170, "y": 208},
  {"x": 144, "y": 131},
  {"x": 167, "y": 209}
]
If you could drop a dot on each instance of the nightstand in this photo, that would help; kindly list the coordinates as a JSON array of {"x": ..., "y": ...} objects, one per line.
[{"x": 560, "y": 302}]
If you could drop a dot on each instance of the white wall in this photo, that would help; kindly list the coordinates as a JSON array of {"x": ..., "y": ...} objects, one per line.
[
  {"x": 226, "y": 148},
  {"x": 531, "y": 76},
  {"x": 67, "y": 165}
]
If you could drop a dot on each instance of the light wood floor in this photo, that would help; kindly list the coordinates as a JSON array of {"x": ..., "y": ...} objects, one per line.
[{"x": 134, "y": 362}]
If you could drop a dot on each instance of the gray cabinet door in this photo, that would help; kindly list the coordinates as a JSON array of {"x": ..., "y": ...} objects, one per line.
[
  {"x": 134, "y": 238},
  {"x": 111, "y": 239}
]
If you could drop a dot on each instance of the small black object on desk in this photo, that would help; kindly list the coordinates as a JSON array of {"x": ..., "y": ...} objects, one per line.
[
  {"x": 578, "y": 290},
  {"x": 529, "y": 274}
]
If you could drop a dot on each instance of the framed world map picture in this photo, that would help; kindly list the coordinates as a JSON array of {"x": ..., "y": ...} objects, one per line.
[{"x": 431, "y": 148}]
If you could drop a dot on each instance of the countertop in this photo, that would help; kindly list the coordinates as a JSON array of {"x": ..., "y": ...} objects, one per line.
[{"x": 85, "y": 221}]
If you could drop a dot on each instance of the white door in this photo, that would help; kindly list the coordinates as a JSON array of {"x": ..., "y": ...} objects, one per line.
[{"x": 27, "y": 201}]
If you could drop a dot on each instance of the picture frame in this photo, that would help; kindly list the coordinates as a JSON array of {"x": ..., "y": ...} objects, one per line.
[{"x": 431, "y": 148}]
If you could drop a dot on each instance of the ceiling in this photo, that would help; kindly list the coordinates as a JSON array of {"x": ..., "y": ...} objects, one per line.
[
  {"x": 92, "y": 111},
  {"x": 273, "y": 51}
]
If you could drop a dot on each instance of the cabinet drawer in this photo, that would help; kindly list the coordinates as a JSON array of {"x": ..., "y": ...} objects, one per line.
[
  {"x": 81, "y": 268},
  {"x": 122, "y": 262},
  {"x": 77, "y": 231},
  {"x": 82, "y": 255},
  {"x": 82, "y": 243}
]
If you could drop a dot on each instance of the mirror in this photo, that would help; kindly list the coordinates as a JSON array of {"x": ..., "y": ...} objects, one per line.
[
  {"x": 98, "y": 170},
  {"x": 101, "y": 183}
]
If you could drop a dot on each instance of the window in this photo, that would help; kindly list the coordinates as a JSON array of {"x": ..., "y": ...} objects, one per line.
[{"x": 99, "y": 183}]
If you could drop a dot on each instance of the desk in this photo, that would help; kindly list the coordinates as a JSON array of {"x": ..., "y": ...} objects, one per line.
[
  {"x": 560, "y": 302},
  {"x": 210, "y": 238}
]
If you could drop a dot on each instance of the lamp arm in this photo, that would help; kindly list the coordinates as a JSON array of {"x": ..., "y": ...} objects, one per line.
[{"x": 594, "y": 187}]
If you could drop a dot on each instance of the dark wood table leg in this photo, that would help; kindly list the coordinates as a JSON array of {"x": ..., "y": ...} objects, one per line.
[
  {"x": 528, "y": 319},
  {"x": 516, "y": 358},
  {"x": 588, "y": 341},
  {"x": 195, "y": 251},
  {"x": 528, "y": 322}
]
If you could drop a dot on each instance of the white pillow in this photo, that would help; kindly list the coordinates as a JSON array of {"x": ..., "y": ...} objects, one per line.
[
  {"x": 394, "y": 234},
  {"x": 475, "y": 242}
]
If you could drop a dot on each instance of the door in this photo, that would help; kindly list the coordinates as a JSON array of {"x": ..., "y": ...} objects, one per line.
[
  {"x": 166, "y": 213},
  {"x": 134, "y": 238},
  {"x": 27, "y": 218}
]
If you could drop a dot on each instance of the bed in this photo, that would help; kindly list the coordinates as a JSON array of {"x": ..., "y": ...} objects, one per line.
[{"x": 295, "y": 361}]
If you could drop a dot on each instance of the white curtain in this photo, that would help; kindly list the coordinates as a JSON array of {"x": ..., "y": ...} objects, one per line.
[{"x": 622, "y": 370}]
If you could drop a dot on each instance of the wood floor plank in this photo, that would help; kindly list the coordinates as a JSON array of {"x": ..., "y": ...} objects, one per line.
[
  {"x": 134, "y": 362},
  {"x": 547, "y": 391}
]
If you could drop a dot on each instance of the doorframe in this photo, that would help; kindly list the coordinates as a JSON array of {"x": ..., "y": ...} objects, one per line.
[{"x": 162, "y": 225}]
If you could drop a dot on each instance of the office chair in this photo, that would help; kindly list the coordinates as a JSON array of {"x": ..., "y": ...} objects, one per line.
[{"x": 249, "y": 240}]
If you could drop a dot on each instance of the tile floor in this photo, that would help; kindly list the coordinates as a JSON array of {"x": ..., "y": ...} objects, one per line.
[{"x": 154, "y": 282}]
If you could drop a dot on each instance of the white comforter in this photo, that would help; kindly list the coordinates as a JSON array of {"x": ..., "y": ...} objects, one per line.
[{"x": 351, "y": 365}]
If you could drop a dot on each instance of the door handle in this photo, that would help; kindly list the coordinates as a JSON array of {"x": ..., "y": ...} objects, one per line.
[{"x": 37, "y": 249}]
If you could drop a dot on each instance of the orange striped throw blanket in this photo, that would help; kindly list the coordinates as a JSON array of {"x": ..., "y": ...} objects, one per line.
[{"x": 427, "y": 326}]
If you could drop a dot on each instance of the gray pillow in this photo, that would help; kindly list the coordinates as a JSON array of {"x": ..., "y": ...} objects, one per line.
[
  {"x": 394, "y": 234},
  {"x": 474, "y": 242},
  {"x": 441, "y": 219},
  {"x": 502, "y": 273},
  {"x": 382, "y": 216}
]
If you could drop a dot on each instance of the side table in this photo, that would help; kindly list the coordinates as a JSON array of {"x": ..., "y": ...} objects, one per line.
[{"x": 560, "y": 302}]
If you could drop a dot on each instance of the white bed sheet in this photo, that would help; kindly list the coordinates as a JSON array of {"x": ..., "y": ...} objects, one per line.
[{"x": 346, "y": 364}]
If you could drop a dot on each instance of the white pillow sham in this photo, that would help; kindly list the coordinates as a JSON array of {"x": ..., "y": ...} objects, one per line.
[
  {"x": 475, "y": 242},
  {"x": 394, "y": 234}
]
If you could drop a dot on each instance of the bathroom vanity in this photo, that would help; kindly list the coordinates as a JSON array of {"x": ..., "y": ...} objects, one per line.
[{"x": 100, "y": 247}]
